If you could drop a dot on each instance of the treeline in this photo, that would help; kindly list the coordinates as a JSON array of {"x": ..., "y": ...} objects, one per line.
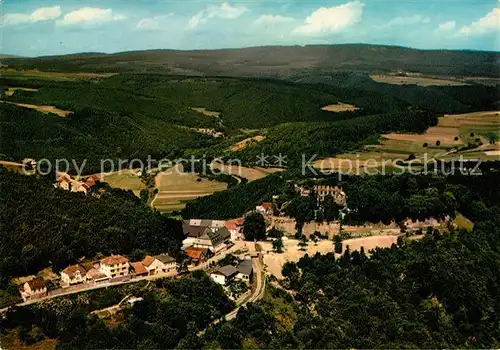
[
  {"x": 439, "y": 292},
  {"x": 42, "y": 226},
  {"x": 298, "y": 141},
  {"x": 93, "y": 135},
  {"x": 170, "y": 315}
]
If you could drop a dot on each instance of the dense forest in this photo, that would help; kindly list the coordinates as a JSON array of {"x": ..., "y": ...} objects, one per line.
[
  {"x": 170, "y": 315},
  {"x": 43, "y": 226}
]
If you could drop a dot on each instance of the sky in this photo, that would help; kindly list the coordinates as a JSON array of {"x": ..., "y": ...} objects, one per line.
[{"x": 53, "y": 27}]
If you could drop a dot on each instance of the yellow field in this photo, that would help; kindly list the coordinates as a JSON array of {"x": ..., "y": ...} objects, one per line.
[
  {"x": 418, "y": 80},
  {"x": 36, "y": 74},
  {"x": 340, "y": 107},
  {"x": 42, "y": 109},
  {"x": 12, "y": 90},
  {"x": 251, "y": 174},
  {"x": 247, "y": 142},
  {"x": 452, "y": 131},
  {"x": 176, "y": 188}
]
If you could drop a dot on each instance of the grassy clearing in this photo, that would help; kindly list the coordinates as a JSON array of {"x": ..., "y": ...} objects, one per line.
[
  {"x": 59, "y": 76},
  {"x": 462, "y": 222},
  {"x": 247, "y": 142},
  {"x": 206, "y": 112},
  {"x": 12, "y": 90},
  {"x": 126, "y": 179},
  {"x": 417, "y": 80},
  {"x": 10, "y": 340},
  {"x": 42, "y": 109},
  {"x": 340, "y": 107}
]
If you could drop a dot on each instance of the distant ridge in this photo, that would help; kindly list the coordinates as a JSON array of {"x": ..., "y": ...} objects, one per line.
[{"x": 275, "y": 61}]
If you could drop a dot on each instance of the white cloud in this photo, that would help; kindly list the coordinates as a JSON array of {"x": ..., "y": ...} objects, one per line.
[
  {"x": 87, "y": 15},
  {"x": 153, "y": 23},
  {"x": 332, "y": 19},
  {"x": 222, "y": 11},
  {"x": 447, "y": 26},
  {"x": 488, "y": 24},
  {"x": 265, "y": 19},
  {"x": 39, "y": 15},
  {"x": 408, "y": 21}
]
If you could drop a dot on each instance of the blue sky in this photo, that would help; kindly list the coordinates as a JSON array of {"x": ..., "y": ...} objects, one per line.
[{"x": 50, "y": 27}]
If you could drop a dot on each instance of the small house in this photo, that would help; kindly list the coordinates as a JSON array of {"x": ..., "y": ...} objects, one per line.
[
  {"x": 139, "y": 269},
  {"x": 245, "y": 271},
  {"x": 73, "y": 274},
  {"x": 34, "y": 289},
  {"x": 224, "y": 275},
  {"x": 162, "y": 263}
]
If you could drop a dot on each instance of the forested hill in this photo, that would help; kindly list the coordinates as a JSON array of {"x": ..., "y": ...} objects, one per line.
[
  {"x": 42, "y": 226},
  {"x": 276, "y": 61}
]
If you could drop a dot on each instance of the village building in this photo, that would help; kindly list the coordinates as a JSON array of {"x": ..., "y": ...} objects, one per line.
[
  {"x": 95, "y": 275},
  {"x": 114, "y": 266},
  {"x": 224, "y": 275},
  {"x": 139, "y": 269},
  {"x": 206, "y": 237},
  {"x": 159, "y": 264},
  {"x": 335, "y": 192},
  {"x": 235, "y": 227},
  {"x": 73, "y": 274},
  {"x": 66, "y": 182},
  {"x": 245, "y": 270},
  {"x": 34, "y": 289},
  {"x": 266, "y": 208},
  {"x": 197, "y": 255}
]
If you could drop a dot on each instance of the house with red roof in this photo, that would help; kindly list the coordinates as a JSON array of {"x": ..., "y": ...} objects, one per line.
[
  {"x": 114, "y": 266},
  {"x": 73, "y": 274},
  {"x": 266, "y": 208},
  {"x": 34, "y": 289}
]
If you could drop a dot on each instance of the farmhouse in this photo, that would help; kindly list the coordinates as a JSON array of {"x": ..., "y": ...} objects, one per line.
[
  {"x": 114, "y": 266},
  {"x": 66, "y": 182},
  {"x": 206, "y": 237},
  {"x": 33, "y": 289},
  {"x": 159, "y": 264},
  {"x": 245, "y": 270},
  {"x": 73, "y": 274}
]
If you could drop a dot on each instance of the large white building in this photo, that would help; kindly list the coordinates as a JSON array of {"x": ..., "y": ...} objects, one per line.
[{"x": 114, "y": 266}]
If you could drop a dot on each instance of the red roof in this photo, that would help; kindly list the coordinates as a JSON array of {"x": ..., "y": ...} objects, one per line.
[
  {"x": 267, "y": 205},
  {"x": 195, "y": 253},
  {"x": 148, "y": 260},
  {"x": 71, "y": 270},
  {"x": 139, "y": 268},
  {"x": 114, "y": 259},
  {"x": 36, "y": 283}
]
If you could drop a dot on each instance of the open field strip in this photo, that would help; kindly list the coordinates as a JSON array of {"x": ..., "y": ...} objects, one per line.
[
  {"x": 340, "y": 107},
  {"x": 126, "y": 179},
  {"x": 415, "y": 80},
  {"x": 12, "y": 90},
  {"x": 42, "y": 109},
  {"x": 247, "y": 142}
]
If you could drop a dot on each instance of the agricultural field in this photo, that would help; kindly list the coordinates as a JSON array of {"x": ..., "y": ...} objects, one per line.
[
  {"x": 251, "y": 174},
  {"x": 11, "y": 90},
  {"x": 176, "y": 188},
  {"x": 415, "y": 80},
  {"x": 439, "y": 142}
]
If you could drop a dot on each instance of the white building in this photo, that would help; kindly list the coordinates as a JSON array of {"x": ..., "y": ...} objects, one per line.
[
  {"x": 159, "y": 264},
  {"x": 114, "y": 266},
  {"x": 224, "y": 275},
  {"x": 73, "y": 274},
  {"x": 33, "y": 289}
]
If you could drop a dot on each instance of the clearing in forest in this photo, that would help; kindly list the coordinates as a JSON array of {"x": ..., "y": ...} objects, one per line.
[
  {"x": 251, "y": 174},
  {"x": 42, "y": 109},
  {"x": 59, "y": 76},
  {"x": 415, "y": 80},
  {"x": 206, "y": 112},
  {"x": 340, "y": 107},
  {"x": 246, "y": 142},
  {"x": 127, "y": 179},
  {"x": 12, "y": 90}
]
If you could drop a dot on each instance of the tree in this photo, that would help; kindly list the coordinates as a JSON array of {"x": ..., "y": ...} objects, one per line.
[
  {"x": 278, "y": 245},
  {"x": 338, "y": 244},
  {"x": 254, "y": 227},
  {"x": 274, "y": 233}
]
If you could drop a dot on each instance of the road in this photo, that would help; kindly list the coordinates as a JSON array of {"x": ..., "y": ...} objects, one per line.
[{"x": 239, "y": 245}]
